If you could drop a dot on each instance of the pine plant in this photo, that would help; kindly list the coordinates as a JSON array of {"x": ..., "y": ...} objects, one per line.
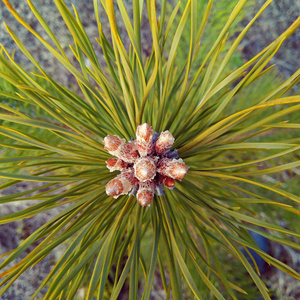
[{"x": 159, "y": 168}]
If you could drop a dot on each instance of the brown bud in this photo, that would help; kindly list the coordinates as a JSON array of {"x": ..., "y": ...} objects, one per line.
[
  {"x": 145, "y": 193},
  {"x": 144, "y": 137},
  {"x": 115, "y": 164},
  {"x": 167, "y": 181},
  {"x": 174, "y": 168},
  {"x": 164, "y": 142},
  {"x": 144, "y": 133},
  {"x": 128, "y": 152},
  {"x": 112, "y": 144},
  {"x": 114, "y": 188},
  {"x": 145, "y": 168},
  {"x": 122, "y": 184}
]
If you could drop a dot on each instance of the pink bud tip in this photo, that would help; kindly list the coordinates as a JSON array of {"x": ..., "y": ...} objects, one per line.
[
  {"x": 145, "y": 193},
  {"x": 174, "y": 168},
  {"x": 144, "y": 133},
  {"x": 114, "y": 188},
  {"x": 111, "y": 162},
  {"x": 112, "y": 142},
  {"x": 115, "y": 164},
  {"x": 144, "y": 138},
  {"x": 122, "y": 184},
  {"x": 164, "y": 142},
  {"x": 128, "y": 152},
  {"x": 129, "y": 175},
  {"x": 145, "y": 169},
  {"x": 178, "y": 170},
  {"x": 167, "y": 181},
  {"x": 144, "y": 198}
]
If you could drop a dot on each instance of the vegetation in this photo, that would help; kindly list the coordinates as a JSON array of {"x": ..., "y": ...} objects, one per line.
[{"x": 231, "y": 138}]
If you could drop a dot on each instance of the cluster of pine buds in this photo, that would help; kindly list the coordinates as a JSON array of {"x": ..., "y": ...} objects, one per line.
[{"x": 146, "y": 164}]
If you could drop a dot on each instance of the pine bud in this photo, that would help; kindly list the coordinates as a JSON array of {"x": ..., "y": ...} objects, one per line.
[
  {"x": 144, "y": 133},
  {"x": 144, "y": 137},
  {"x": 112, "y": 144},
  {"x": 128, "y": 152},
  {"x": 122, "y": 184},
  {"x": 114, "y": 188},
  {"x": 174, "y": 168},
  {"x": 145, "y": 168},
  {"x": 145, "y": 193},
  {"x": 115, "y": 164},
  {"x": 147, "y": 164},
  {"x": 164, "y": 142},
  {"x": 167, "y": 181}
]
